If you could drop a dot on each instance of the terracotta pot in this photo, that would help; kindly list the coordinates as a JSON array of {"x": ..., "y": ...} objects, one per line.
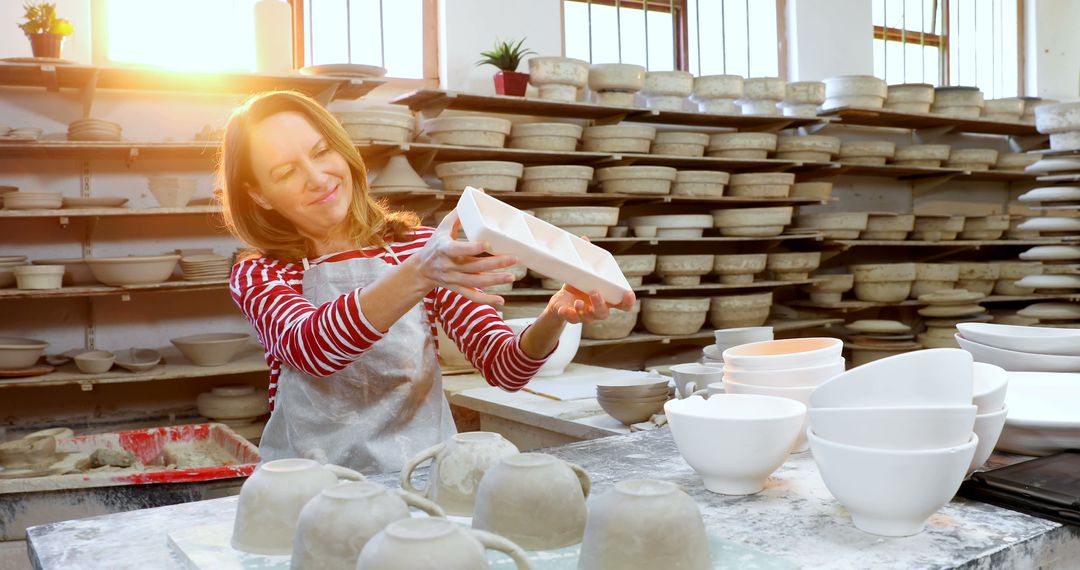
[
  {"x": 46, "y": 45},
  {"x": 511, "y": 83}
]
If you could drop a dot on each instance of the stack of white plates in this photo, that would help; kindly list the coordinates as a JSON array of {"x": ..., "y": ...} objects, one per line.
[
  {"x": 172, "y": 191},
  {"x": 7, "y": 265},
  {"x": 93, "y": 130},
  {"x": 205, "y": 267},
  {"x": 24, "y": 133},
  {"x": 32, "y": 200}
]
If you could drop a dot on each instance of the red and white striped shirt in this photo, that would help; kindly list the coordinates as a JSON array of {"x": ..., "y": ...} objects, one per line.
[{"x": 321, "y": 340}]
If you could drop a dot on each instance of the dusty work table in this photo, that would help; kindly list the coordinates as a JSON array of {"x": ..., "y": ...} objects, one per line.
[{"x": 793, "y": 523}]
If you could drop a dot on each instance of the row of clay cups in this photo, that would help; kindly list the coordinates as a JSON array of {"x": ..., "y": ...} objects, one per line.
[
  {"x": 731, "y": 269},
  {"x": 687, "y": 315}
]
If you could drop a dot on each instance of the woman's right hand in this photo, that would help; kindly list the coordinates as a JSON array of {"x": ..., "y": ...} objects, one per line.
[{"x": 456, "y": 265}]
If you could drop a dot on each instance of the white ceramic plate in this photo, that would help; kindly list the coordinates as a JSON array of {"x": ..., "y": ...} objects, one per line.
[
  {"x": 1037, "y": 340},
  {"x": 344, "y": 69},
  {"x": 103, "y": 202},
  {"x": 1051, "y": 253},
  {"x": 1048, "y": 165},
  {"x": 1052, "y": 194},
  {"x": 1019, "y": 361},
  {"x": 1051, "y": 311},
  {"x": 1050, "y": 224},
  {"x": 1043, "y": 415},
  {"x": 1050, "y": 282}
]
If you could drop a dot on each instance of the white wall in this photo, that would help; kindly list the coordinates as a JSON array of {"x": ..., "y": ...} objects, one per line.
[
  {"x": 1052, "y": 50},
  {"x": 828, "y": 38}
]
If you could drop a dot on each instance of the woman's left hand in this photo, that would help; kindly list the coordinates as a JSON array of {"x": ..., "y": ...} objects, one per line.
[{"x": 575, "y": 306}]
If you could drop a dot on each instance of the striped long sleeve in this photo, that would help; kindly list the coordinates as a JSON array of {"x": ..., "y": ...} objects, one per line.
[{"x": 321, "y": 340}]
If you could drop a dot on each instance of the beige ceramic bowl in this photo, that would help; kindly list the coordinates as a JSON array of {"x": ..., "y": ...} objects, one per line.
[
  {"x": 732, "y": 311},
  {"x": 469, "y": 131},
  {"x": 39, "y": 277},
  {"x": 683, "y": 270},
  {"x": 491, "y": 175},
  {"x": 619, "y": 324},
  {"x": 742, "y": 145},
  {"x": 677, "y": 316},
  {"x": 16, "y": 353},
  {"x": 793, "y": 266},
  {"x": 557, "y": 179},
  {"x": 700, "y": 183},
  {"x": 636, "y": 179},
  {"x": 211, "y": 349},
  {"x": 560, "y": 137},
  {"x": 134, "y": 270},
  {"x": 618, "y": 138},
  {"x": 680, "y": 143},
  {"x": 94, "y": 361},
  {"x": 762, "y": 222},
  {"x": 739, "y": 269}
]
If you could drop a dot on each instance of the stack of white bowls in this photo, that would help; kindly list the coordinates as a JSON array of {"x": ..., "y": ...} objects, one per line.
[
  {"x": 205, "y": 267},
  {"x": 790, "y": 368},
  {"x": 893, "y": 439},
  {"x": 713, "y": 354},
  {"x": 1021, "y": 348}
]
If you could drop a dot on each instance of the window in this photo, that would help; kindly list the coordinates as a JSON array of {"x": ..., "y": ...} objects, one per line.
[
  {"x": 701, "y": 36},
  {"x": 949, "y": 42}
]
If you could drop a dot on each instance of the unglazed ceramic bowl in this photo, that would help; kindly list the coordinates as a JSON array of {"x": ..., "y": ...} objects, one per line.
[
  {"x": 434, "y": 544},
  {"x": 735, "y": 465},
  {"x": 783, "y": 354},
  {"x": 988, "y": 427},
  {"x": 211, "y": 349},
  {"x": 16, "y": 353},
  {"x": 932, "y": 377},
  {"x": 1019, "y": 361},
  {"x": 898, "y": 428},
  {"x": 796, "y": 377},
  {"x": 133, "y": 270}
]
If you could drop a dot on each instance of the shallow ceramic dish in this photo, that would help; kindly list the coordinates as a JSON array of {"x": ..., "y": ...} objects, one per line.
[
  {"x": 796, "y": 377},
  {"x": 1051, "y": 311},
  {"x": 211, "y": 349},
  {"x": 1019, "y": 361},
  {"x": 1043, "y": 417},
  {"x": 1050, "y": 224},
  {"x": 735, "y": 465},
  {"x": 781, "y": 354},
  {"x": 1052, "y": 194},
  {"x": 673, "y": 225},
  {"x": 16, "y": 353},
  {"x": 550, "y": 251},
  {"x": 94, "y": 361},
  {"x": 134, "y": 270},
  {"x": 910, "y": 428},
  {"x": 138, "y": 359},
  {"x": 1051, "y": 253},
  {"x": 891, "y": 492},
  {"x": 1035, "y": 340},
  {"x": 932, "y": 377}
]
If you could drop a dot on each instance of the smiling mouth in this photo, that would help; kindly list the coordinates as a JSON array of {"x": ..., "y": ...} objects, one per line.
[{"x": 326, "y": 197}]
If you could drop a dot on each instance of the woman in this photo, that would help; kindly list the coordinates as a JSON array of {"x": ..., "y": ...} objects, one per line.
[{"x": 344, "y": 295}]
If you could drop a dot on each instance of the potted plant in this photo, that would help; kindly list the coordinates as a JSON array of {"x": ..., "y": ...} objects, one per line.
[
  {"x": 507, "y": 56},
  {"x": 45, "y": 30}
]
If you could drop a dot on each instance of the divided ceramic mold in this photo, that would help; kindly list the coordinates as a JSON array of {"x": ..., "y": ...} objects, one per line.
[{"x": 540, "y": 246}]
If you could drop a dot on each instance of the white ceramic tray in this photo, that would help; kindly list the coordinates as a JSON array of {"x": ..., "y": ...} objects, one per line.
[
  {"x": 1013, "y": 360},
  {"x": 1035, "y": 340},
  {"x": 540, "y": 246},
  {"x": 1043, "y": 416}
]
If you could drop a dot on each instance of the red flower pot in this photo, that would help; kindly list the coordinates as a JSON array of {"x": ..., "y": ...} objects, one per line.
[
  {"x": 46, "y": 45},
  {"x": 511, "y": 83}
]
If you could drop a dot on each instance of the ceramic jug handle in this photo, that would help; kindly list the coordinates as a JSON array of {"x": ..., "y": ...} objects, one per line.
[
  {"x": 583, "y": 477},
  {"x": 689, "y": 388},
  {"x": 417, "y": 502},
  {"x": 496, "y": 542},
  {"x": 704, "y": 393},
  {"x": 406, "y": 473},
  {"x": 344, "y": 472}
]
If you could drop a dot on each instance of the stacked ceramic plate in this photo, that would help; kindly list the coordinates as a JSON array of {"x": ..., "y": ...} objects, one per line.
[
  {"x": 93, "y": 130},
  {"x": 790, "y": 368},
  {"x": 633, "y": 400},
  {"x": 205, "y": 267},
  {"x": 1057, "y": 261},
  {"x": 944, "y": 310},
  {"x": 24, "y": 133},
  {"x": 1020, "y": 348},
  {"x": 894, "y": 439},
  {"x": 345, "y": 70},
  {"x": 1042, "y": 415},
  {"x": 172, "y": 191},
  {"x": 1052, "y": 313},
  {"x": 874, "y": 339},
  {"x": 23, "y": 200},
  {"x": 8, "y": 263},
  {"x": 391, "y": 123},
  {"x": 1055, "y": 168}
]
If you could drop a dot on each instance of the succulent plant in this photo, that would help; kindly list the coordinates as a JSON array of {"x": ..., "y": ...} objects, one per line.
[{"x": 505, "y": 56}]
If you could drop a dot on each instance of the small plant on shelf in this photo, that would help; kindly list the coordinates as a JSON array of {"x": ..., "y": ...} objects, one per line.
[
  {"x": 507, "y": 57},
  {"x": 45, "y": 30}
]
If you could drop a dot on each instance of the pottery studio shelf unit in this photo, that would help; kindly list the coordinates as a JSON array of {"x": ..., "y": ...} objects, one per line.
[
  {"x": 64, "y": 213},
  {"x": 851, "y": 305},
  {"x": 779, "y": 326},
  {"x": 928, "y": 122},
  {"x": 106, "y": 290},
  {"x": 658, "y": 288},
  {"x": 960, "y": 243}
]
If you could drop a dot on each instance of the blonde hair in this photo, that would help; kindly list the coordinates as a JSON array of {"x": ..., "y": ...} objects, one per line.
[{"x": 369, "y": 222}]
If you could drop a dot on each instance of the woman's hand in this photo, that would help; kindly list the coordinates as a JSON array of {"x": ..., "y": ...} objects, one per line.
[
  {"x": 456, "y": 265},
  {"x": 575, "y": 306}
]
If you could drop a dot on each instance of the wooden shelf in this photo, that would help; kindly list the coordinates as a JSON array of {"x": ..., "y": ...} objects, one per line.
[
  {"x": 1069, "y": 177},
  {"x": 657, "y": 288},
  {"x": 540, "y": 198},
  {"x": 177, "y": 368},
  {"x": 852, "y": 305},
  {"x": 54, "y": 77},
  {"x": 109, "y": 212},
  {"x": 716, "y": 239},
  {"x": 102, "y": 290},
  {"x": 849, "y": 243},
  {"x": 119, "y": 150},
  {"x": 897, "y": 119},
  {"x": 707, "y": 333},
  {"x": 431, "y": 102},
  {"x": 917, "y": 173}
]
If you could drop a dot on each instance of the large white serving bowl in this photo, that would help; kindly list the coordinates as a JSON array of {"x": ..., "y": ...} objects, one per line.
[
  {"x": 742, "y": 335},
  {"x": 798, "y": 393},
  {"x": 1035, "y": 340},
  {"x": 767, "y": 428},
  {"x": 569, "y": 341},
  {"x": 788, "y": 377},
  {"x": 1019, "y": 361},
  {"x": 891, "y": 492},
  {"x": 1043, "y": 416},
  {"x": 931, "y": 377},
  {"x": 931, "y": 427},
  {"x": 780, "y": 354},
  {"x": 692, "y": 377},
  {"x": 990, "y": 384},
  {"x": 988, "y": 427}
]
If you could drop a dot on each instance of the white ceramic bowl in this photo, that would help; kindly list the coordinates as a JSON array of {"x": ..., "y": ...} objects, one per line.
[
  {"x": 1043, "y": 416},
  {"x": 94, "y": 361},
  {"x": 1036, "y": 340},
  {"x": 690, "y": 378},
  {"x": 211, "y": 349},
  {"x": 990, "y": 384},
  {"x": 781, "y": 354},
  {"x": 1019, "y": 361},
  {"x": 988, "y": 427},
  {"x": 767, "y": 428},
  {"x": 891, "y": 492},
  {"x": 742, "y": 335},
  {"x": 16, "y": 353},
  {"x": 895, "y": 428},
  {"x": 788, "y": 377},
  {"x": 798, "y": 393},
  {"x": 564, "y": 352},
  {"x": 133, "y": 270},
  {"x": 931, "y": 377}
]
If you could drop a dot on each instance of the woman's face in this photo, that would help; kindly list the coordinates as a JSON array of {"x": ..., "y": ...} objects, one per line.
[{"x": 299, "y": 175}]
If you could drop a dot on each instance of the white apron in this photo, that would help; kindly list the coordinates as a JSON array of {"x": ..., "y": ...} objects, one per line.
[{"x": 380, "y": 411}]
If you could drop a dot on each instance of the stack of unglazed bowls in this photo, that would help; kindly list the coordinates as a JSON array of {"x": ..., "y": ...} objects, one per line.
[
  {"x": 93, "y": 130},
  {"x": 893, "y": 439},
  {"x": 789, "y": 368},
  {"x": 633, "y": 400},
  {"x": 205, "y": 267}
]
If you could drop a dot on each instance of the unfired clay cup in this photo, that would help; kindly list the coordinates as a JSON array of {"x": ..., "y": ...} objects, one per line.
[
  {"x": 458, "y": 465},
  {"x": 434, "y": 544}
]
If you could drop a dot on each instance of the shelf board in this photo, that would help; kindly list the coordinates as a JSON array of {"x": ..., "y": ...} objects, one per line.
[
  {"x": 707, "y": 333},
  {"x": 120, "y": 150},
  {"x": 655, "y": 288},
  {"x": 851, "y": 305},
  {"x": 73, "y": 76},
  {"x": 109, "y": 212},
  {"x": 897, "y": 119},
  {"x": 713, "y": 239},
  {"x": 849, "y": 243},
  {"x": 102, "y": 290},
  {"x": 433, "y": 101},
  {"x": 178, "y": 368},
  {"x": 594, "y": 197},
  {"x": 1068, "y": 177}
]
